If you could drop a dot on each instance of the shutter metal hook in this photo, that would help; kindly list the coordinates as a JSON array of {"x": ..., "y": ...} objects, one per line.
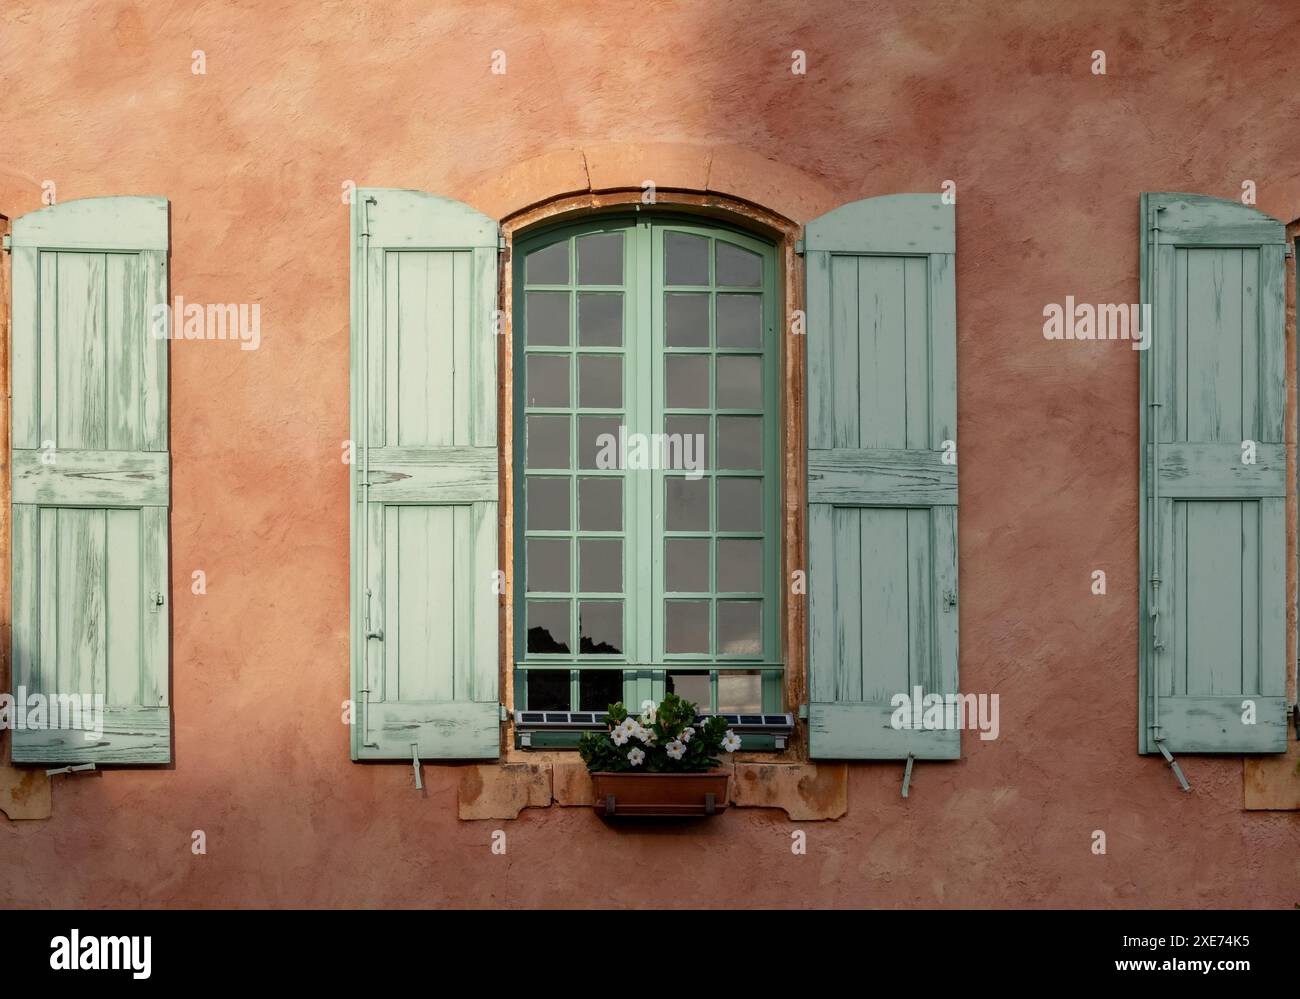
[
  {"x": 1178, "y": 772},
  {"x": 415, "y": 762},
  {"x": 907, "y": 774},
  {"x": 79, "y": 768}
]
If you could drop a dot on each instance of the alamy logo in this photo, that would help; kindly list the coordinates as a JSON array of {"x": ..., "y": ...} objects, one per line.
[
  {"x": 651, "y": 451},
  {"x": 91, "y": 953},
  {"x": 933, "y": 712},
  {"x": 40, "y": 712},
  {"x": 1098, "y": 322},
  {"x": 216, "y": 321}
]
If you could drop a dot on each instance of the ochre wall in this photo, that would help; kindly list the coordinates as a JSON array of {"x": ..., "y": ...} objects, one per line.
[{"x": 1049, "y": 160}]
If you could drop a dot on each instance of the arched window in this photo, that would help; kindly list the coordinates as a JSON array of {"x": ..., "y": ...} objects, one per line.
[{"x": 647, "y": 498}]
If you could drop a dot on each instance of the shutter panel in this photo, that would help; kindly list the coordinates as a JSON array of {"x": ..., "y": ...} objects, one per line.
[
  {"x": 425, "y": 611},
  {"x": 882, "y": 504},
  {"x": 1213, "y": 628},
  {"x": 90, "y": 474}
]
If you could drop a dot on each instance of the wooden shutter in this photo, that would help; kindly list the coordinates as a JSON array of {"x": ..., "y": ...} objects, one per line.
[
  {"x": 424, "y": 550},
  {"x": 90, "y": 479},
  {"x": 882, "y": 502},
  {"x": 1213, "y": 605}
]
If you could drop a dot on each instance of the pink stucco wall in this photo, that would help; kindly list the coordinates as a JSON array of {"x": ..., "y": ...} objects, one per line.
[{"x": 1049, "y": 159}]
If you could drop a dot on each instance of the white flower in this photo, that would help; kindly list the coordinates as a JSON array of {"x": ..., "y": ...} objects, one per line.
[
  {"x": 676, "y": 750},
  {"x": 635, "y": 757},
  {"x": 618, "y": 736},
  {"x": 687, "y": 732},
  {"x": 645, "y": 735},
  {"x": 648, "y": 709},
  {"x": 629, "y": 726},
  {"x": 730, "y": 741}
]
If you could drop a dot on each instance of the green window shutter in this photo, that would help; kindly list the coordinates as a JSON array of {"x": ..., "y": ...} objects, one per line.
[
  {"x": 882, "y": 501},
  {"x": 91, "y": 481},
  {"x": 1212, "y": 650},
  {"x": 424, "y": 480}
]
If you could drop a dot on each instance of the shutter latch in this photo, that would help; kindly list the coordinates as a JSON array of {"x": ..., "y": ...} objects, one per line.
[
  {"x": 79, "y": 768},
  {"x": 7, "y": 243},
  {"x": 155, "y": 601},
  {"x": 1173, "y": 765},
  {"x": 798, "y": 248},
  {"x": 950, "y": 599}
]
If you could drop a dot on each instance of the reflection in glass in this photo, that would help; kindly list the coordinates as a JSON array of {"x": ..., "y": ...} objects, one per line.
[
  {"x": 740, "y": 504},
  {"x": 548, "y": 441},
  {"x": 687, "y": 626},
  {"x": 600, "y": 565},
  {"x": 601, "y": 627},
  {"x": 740, "y": 693},
  {"x": 686, "y": 259},
  {"x": 549, "y": 265},
  {"x": 547, "y": 503},
  {"x": 686, "y": 320},
  {"x": 737, "y": 268},
  {"x": 548, "y": 380},
  {"x": 546, "y": 318},
  {"x": 740, "y": 627},
  {"x": 548, "y": 626},
  {"x": 599, "y": 688},
  {"x": 740, "y": 565},
  {"x": 600, "y": 258},
  {"x": 548, "y": 690},
  {"x": 600, "y": 504},
  {"x": 600, "y": 319},
  {"x": 693, "y": 687}
]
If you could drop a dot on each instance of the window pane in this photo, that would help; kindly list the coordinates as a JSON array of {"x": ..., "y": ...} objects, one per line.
[
  {"x": 740, "y": 442},
  {"x": 686, "y": 259},
  {"x": 686, "y": 381},
  {"x": 686, "y": 626},
  {"x": 687, "y": 446},
  {"x": 546, "y": 318},
  {"x": 600, "y": 382},
  {"x": 686, "y": 565},
  {"x": 686, "y": 320},
  {"x": 600, "y": 319},
  {"x": 548, "y": 441},
  {"x": 686, "y": 503},
  {"x": 600, "y": 565},
  {"x": 547, "y": 565},
  {"x": 599, "y": 688},
  {"x": 740, "y": 565},
  {"x": 548, "y": 380},
  {"x": 548, "y": 626},
  {"x": 740, "y": 693},
  {"x": 549, "y": 265},
  {"x": 740, "y": 631},
  {"x": 600, "y": 258},
  {"x": 601, "y": 624},
  {"x": 736, "y": 267},
  {"x": 600, "y": 504},
  {"x": 547, "y": 503},
  {"x": 693, "y": 687},
  {"x": 598, "y": 445},
  {"x": 548, "y": 690},
  {"x": 740, "y": 321},
  {"x": 740, "y": 382},
  {"x": 740, "y": 504}
]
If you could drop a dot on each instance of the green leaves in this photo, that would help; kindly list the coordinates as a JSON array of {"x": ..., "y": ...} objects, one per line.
[{"x": 666, "y": 733}]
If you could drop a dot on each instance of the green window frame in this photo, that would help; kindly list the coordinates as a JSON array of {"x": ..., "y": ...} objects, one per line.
[{"x": 698, "y": 352}]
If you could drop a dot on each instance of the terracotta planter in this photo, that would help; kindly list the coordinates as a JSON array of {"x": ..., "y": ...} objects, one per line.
[{"x": 660, "y": 794}]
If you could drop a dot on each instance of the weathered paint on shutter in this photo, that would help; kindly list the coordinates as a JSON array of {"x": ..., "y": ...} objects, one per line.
[
  {"x": 1214, "y": 527},
  {"x": 91, "y": 480},
  {"x": 424, "y": 607},
  {"x": 882, "y": 503}
]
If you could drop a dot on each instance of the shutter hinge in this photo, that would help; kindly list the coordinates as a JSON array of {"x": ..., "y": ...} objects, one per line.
[
  {"x": 8, "y": 243},
  {"x": 1173, "y": 765},
  {"x": 1287, "y": 249},
  {"x": 803, "y": 711},
  {"x": 798, "y": 248},
  {"x": 501, "y": 241},
  {"x": 505, "y": 715}
]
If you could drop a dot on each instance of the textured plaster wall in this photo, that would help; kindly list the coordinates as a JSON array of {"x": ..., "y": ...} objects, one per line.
[{"x": 1049, "y": 161}]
